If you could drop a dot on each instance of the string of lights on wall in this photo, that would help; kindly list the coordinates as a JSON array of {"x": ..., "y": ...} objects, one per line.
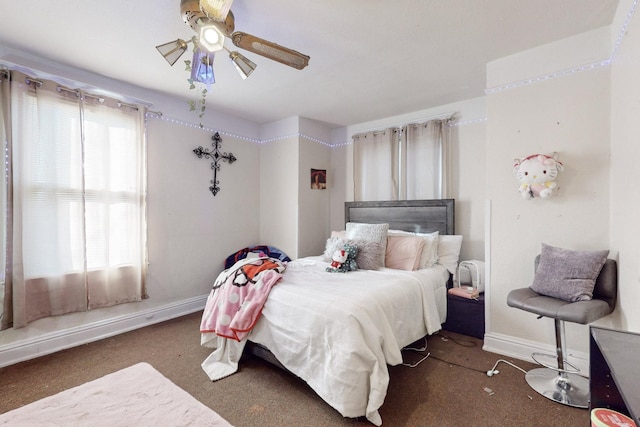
[
  {"x": 549, "y": 76},
  {"x": 623, "y": 30},
  {"x": 158, "y": 115},
  {"x": 579, "y": 69}
]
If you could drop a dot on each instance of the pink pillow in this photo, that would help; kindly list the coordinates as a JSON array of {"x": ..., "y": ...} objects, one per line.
[{"x": 403, "y": 252}]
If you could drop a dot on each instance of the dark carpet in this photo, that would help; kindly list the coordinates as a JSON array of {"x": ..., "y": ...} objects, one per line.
[{"x": 450, "y": 388}]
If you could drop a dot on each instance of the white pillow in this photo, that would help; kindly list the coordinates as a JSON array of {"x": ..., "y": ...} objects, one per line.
[
  {"x": 449, "y": 251},
  {"x": 429, "y": 251},
  {"x": 369, "y": 232},
  {"x": 333, "y": 244}
]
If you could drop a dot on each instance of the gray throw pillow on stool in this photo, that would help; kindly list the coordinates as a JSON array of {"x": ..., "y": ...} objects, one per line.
[{"x": 566, "y": 274}]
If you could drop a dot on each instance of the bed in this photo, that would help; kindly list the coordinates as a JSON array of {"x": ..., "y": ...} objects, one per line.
[{"x": 339, "y": 331}]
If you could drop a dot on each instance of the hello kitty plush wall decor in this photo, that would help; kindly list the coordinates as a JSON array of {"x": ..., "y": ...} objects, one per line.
[{"x": 537, "y": 175}]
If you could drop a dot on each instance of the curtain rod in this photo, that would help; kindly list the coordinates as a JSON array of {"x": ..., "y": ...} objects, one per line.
[
  {"x": 444, "y": 116},
  {"x": 81, "y": 93},
  {"x": 36, "y": 82},
  {"x": 10, "y": 66}
]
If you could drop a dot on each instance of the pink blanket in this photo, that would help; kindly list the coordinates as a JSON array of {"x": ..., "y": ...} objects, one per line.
[{"x": 238, "y": 295}]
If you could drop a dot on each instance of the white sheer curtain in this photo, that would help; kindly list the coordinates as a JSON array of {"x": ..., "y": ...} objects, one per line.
[
  {"x": 78, "y": 201},
  {"x": 375, "y": 165},
  {"x": 423, "y": 160},
  {"x": 5, "y": 132},
  {"x": 402, "y": 164}
]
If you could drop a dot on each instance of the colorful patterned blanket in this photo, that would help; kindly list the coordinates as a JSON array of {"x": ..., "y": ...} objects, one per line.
[
  {"x": 238, "y": 295},
  {"x": 258, "y": 251}
]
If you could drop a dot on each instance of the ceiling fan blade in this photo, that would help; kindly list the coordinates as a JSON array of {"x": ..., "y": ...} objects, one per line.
[{"x": 270, "y": 50}]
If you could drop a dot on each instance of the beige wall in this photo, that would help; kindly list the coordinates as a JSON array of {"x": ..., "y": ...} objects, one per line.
[
  {"x": 625, "y": 171},
  {"x": 340, "y": 181},
  {"x": 293, "y": 217},
  {"x": 278, "y": 203},
  {"x": 313, "y": 204},
  {"x": 589, "y": 116},
  {"x": 568, "y": 115},
  {"x": 467, "y": 184},
  {"x": 191, "y": 232}
]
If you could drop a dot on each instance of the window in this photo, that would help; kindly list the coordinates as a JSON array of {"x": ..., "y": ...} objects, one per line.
[
  {"x": 405, "y": 163},
  {"x": 77, "y": 205}
]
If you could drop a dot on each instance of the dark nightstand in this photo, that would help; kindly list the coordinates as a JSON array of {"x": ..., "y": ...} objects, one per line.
[{"x": 465, "y": 316}]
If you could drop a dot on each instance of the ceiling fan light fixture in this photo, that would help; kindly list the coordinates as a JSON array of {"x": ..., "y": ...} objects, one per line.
[
  {"x": 211, "y": 38},
  {"x": 243, "y": 64},
  {"x": 202, "y": 67},
  {"x": 173, "y": 50},
  {"x": 216, "y": 9}
]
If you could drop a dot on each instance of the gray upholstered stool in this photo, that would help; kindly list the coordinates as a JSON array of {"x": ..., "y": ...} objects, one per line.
[{"x": 562, "y": 383}]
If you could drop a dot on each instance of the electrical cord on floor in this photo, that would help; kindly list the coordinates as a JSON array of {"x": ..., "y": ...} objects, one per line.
[
  {"x": 458, "y": 365},
  {"x": 414, "y": 364},
  {"x": 417, "y": 350},
  {"x": 462, "y": 342},
  {"x": 494, "y": 371}
]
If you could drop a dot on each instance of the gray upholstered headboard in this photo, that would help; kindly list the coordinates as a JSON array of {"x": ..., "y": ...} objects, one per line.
[{"x": 418, "y": 216}]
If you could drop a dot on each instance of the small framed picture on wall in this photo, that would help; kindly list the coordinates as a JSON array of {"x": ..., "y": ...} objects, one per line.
[{"x": 318, "y": 179}]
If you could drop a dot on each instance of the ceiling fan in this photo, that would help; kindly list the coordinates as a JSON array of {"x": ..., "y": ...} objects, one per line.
[{"x": 213, "y": 22}]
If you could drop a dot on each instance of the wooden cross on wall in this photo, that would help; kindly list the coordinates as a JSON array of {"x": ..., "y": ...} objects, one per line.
[{"x": 217, "y": 156}]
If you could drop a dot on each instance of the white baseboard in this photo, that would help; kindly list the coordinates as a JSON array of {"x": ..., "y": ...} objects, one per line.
[
  {"x": 31, "y": 348},
  {"x": 521, "y": 349}
]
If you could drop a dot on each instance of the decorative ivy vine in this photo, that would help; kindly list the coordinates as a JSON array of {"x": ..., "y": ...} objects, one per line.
[{"x": 198, "y": 105}]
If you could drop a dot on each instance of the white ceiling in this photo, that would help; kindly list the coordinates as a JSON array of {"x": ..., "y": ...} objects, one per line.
[{"x": 370, "y": 59}]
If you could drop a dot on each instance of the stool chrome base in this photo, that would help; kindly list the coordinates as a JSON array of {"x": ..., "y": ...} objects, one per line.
[{"x": 562, "y": 387}]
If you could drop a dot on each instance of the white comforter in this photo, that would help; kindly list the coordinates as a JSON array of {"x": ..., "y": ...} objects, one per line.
[{"x": 338, "y": 331}]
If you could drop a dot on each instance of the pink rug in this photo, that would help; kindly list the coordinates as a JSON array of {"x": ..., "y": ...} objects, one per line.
[{"x": 135, "y": 396}]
